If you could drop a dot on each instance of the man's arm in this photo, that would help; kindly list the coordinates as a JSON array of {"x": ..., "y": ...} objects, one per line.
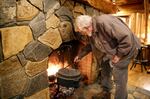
[{"x": 85, "y": 50}]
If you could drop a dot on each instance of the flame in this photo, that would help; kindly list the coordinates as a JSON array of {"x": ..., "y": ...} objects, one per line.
[{"x": 53, "y": 68}]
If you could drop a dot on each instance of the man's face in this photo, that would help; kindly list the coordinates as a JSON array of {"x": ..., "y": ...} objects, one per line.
[{"x": 84, "y": 31}]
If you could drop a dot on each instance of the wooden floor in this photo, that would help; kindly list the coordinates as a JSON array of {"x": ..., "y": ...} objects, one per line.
[{"x": 138, "y": 78}]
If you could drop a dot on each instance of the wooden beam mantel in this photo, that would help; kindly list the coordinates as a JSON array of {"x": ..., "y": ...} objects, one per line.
[
  {"x": 132, "y": 8},
  {"x": 127, "y": 2},
  {"x": 105, "y": 6}
]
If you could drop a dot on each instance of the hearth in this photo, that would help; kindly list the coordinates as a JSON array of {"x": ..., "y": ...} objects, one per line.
[
  {"x": 64, "y": 83},
  {"x": 63, "y": 73}
]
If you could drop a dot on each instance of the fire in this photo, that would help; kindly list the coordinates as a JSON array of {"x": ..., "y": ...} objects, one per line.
[{"x": 53, "y": 68}]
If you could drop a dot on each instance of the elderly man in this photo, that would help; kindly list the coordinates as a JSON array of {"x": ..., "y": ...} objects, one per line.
[{"x": 111, "y": 36}]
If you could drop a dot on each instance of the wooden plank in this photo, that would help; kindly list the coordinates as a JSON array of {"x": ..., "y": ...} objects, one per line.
[
  {"x": 132, "y": 8},
  {"x": 124, "y": 2},
  {"x": 105, "y": 6}
]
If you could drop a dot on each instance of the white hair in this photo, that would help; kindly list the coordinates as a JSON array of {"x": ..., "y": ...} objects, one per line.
[{"x": 83, "y": 21}]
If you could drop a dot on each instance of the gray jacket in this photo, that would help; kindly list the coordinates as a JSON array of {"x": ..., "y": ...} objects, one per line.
[{"x": 111, "y": 36}]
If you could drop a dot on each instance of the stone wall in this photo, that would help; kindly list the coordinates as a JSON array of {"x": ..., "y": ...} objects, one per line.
[{"x": 30, "y": 30}]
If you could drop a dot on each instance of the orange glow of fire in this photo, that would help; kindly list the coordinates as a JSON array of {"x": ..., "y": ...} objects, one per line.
[{"x": 53, "y": 68}]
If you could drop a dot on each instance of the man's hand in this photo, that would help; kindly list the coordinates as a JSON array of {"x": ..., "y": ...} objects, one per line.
[
  {"x": 115, "y": 59},
  {"x": 76, "y": 59}
]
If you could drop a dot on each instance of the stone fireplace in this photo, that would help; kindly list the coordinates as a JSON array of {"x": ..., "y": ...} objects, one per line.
[
  {"x": 31, "y": 31},
  {"x": 63, "y": 57}
]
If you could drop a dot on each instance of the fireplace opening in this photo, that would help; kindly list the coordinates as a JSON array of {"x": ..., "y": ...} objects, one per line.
[
  {"x": 63, "y": 57},
  {"x": 63, "y": 73}
]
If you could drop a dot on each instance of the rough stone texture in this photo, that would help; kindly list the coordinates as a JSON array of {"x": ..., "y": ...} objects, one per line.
[
  {"x": 64, "y": 14},
  {"x": 51, "y": 38},
  {"x": 78, "y": 10},
  {"x": 14, "y": 39},
  {"x": 8, "y": 11},
  {"x": 44, "y": 94},
  {"x": 89, "y": 10},
  {"x": 76, "y": 14},
  {"x": 37, "y": 3},
  {"x": 37, "y": 83},
  {"x": 96, "y": 12},
  {"x": 52, "y": 22},
  {"x": 36, "y": 51},
  {"x": 66, "y": 31},
  {"x": 38, "y": 25},
  {"x": 22, "y": 58},
  {"x": 8, "y": 15},
  {"x": 20, "y": 23},
  {"x": 9, "y": 66},
  {"x": 62, "y": 2},
  {"x": 17, "y": 97},
  {"x": 52, "y": 6},
  {"x": 33, "y": 68},
  {"x": 25, "y": 11},
  {"x": 13, "y": 84},
  {"x": 69, "y": 4},
  {"x": 7, "y": 3}
]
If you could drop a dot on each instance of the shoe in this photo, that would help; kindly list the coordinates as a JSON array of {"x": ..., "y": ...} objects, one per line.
[{"x": 102, "y": 95}]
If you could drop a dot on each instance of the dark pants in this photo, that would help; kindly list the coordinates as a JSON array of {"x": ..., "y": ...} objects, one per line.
[{"x": 120, "y": 75}]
